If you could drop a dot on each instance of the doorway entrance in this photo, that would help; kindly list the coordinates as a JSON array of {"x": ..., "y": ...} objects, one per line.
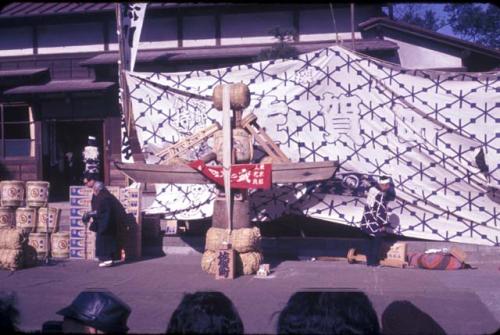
[{"x": 62, "y": 146}]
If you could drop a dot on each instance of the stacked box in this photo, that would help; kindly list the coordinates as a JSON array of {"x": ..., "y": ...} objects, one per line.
[
  {"x": 131, "y": 200},
  {"x": 114, "y": 190},
  {"x": 82, "y": 240}
]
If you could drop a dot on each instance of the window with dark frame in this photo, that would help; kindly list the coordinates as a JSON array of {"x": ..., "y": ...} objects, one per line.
[{"x": 17, "y": 130}]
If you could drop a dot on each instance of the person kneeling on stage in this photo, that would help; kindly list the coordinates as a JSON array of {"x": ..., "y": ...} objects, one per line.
[
  {"x": 374, "y": 221},
  {"x": 105, "y": 220},
  {"x": 95, "y": 312}
]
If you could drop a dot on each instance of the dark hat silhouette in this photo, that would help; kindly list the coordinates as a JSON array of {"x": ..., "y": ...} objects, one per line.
[{"x": 101, "y": 310}]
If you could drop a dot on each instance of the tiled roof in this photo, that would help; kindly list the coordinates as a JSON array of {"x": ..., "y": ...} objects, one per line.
[
  {"x": 21, "y": 73},
  {"x": 61, "y": 86},
  {"x": 178, "y": 55},
  {"x": 27, "y": 9},
  {"x": 426, "y": 33},
  {"x": 143, "y": 56}
]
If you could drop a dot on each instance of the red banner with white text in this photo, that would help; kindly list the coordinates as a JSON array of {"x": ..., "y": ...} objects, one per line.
[{"x": 243, "y": 176}]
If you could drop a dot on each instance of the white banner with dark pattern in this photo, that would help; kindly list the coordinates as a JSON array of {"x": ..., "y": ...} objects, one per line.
[
  {"x": 436, "y": 134},
  {"x": 132, "y": 19}
]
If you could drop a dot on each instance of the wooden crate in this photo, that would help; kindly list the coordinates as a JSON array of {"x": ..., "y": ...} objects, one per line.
[
  {"x": 396, "y": 256},
  {"x": 82, "y": 240},
  {"x": 169, "y": 226}
]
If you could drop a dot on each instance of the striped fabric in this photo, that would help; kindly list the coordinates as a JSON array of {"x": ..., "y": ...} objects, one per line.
[{"x": 435, "y": 261}]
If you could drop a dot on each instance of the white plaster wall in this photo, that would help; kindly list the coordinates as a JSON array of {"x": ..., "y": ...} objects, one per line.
[
  {"x": 253, "y": 28},
  {"x": 418, "y": 57},
  {"x": 328, "y": 36},
  {"x": 198, "y": 31},
  {"x": 317, "y": 24},
  {"x": 75, "y": 37},
  {"x": 16, "y": 41}
]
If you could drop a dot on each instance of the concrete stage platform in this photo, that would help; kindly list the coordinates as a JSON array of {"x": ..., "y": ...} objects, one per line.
[{"x": 459, "y": 302}]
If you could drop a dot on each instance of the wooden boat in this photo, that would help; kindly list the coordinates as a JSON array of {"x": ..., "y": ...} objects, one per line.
[{"x": 182, "y": 174}]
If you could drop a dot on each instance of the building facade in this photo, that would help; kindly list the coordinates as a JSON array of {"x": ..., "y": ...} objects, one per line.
[{"x": 58, "y": 66}]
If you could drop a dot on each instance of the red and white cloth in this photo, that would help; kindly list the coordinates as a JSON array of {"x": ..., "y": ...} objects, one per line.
[{"x": 243, "y": 176}]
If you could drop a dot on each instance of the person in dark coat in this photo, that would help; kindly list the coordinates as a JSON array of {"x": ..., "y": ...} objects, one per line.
[
  {"x": 107, "y": 214},
  {"x": 374, "y": 221}
]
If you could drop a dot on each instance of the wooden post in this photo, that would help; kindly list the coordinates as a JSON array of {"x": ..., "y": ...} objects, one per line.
[
  {"x": 352, "y": 25},
  {"x": 226, "y": 151}
]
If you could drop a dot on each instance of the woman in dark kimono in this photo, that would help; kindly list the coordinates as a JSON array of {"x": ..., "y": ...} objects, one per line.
[{"x": 374, "y": 221}]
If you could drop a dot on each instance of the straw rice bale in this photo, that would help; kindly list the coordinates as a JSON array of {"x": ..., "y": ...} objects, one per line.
[
  {"x": 248, "y": 263},
  {"x": 11, "y": 239},
  {"x": 215, "y": 237},
  {"x": 246, "y": 239},
  {"x": 11, "y": 259},
  {"x": 209, "y": 261}
]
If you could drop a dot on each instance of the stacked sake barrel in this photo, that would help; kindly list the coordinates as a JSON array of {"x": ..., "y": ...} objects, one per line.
[
  {"x": 12, "y": 196},
  {"x": 13, "y": 243},
  {"x": 27, "y": 203},
  {"x": 246, "y": 243}
]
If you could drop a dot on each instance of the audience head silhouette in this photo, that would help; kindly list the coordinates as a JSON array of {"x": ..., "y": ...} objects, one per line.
[
  {"x": 95, "y": 311},
  {"x": 205, "y": 313},
  {"x": 401, "y": 316},
  {"x": 8, "y": 313},
  {"x": 316, "y": 312}
]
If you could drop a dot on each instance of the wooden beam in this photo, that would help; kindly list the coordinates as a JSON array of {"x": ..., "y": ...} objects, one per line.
[
  {"x": 38, "y": 150},
  {"x": 352, "y": 25},
  {"x": 2, "y": 132}
]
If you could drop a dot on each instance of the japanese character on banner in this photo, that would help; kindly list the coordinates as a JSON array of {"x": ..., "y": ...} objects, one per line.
[
  {"x": 243, "y": 176},
  {"x": 126, "y": 148},
  {"x": 132, "y": 19}
]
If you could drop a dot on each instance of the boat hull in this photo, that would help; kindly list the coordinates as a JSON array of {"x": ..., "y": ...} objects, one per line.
[{"x": 182, "y": 174}]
